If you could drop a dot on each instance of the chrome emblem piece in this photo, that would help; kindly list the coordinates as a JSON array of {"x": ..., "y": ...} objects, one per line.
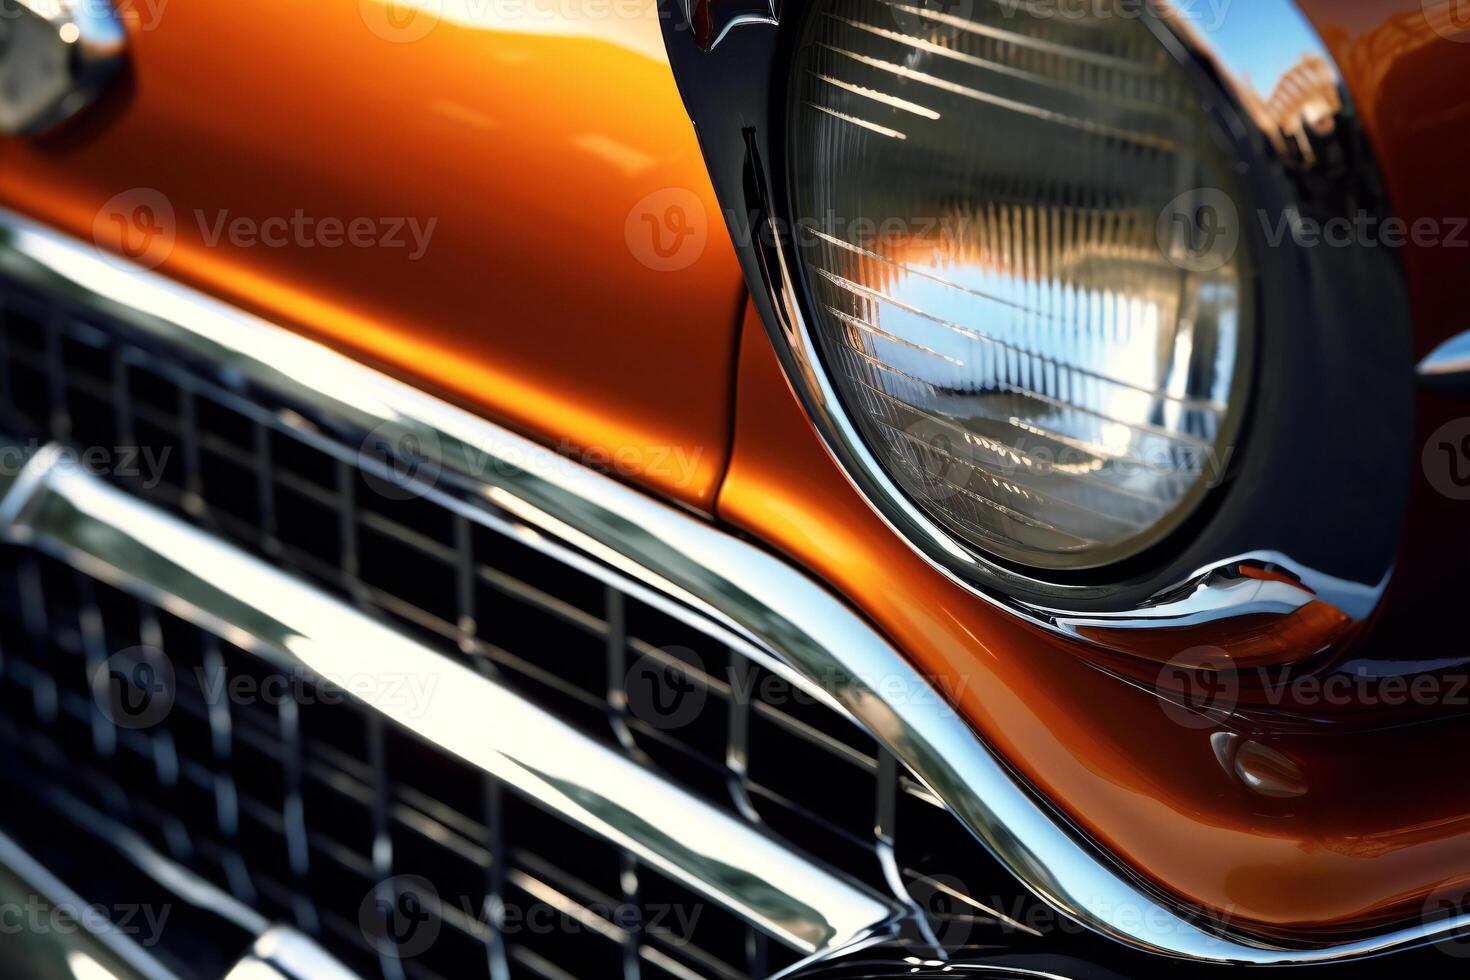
[{"x": 55, "y": 56}]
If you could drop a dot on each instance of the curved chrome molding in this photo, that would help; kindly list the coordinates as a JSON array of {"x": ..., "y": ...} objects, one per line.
[
  {"x": 1223, "y": 592},
  {"x": 1447, "y": 368},
  {"x": 114, "y": 537},
  {"x": 282, "y": 953},
  {"x": 900, "y": 959},
  {"x": 711, "y": 20},
  {"x": 54, "y": 954},
  {"x": 750, "y": 593},
  {"x": 55, "y": 57}
]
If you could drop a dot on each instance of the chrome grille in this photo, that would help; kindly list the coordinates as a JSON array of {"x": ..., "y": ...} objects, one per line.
[
  {"x": 219, "y": 793},
  {"x": 281, "y": 807}
]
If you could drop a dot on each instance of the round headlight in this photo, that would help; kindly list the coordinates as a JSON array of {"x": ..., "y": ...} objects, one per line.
[{"x": 1024, "y": 273}]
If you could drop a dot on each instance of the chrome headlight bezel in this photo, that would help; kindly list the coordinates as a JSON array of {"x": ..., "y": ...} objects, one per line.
[{"x": 1318, "y": 480}]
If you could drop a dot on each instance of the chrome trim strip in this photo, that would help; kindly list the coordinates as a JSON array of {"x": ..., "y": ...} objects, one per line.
[
  {"x": 111, "y": 953},
  {"x": 750, "y": 592},
  {"x": 112, "y": 536},
  {"x": 237, "y": 922},
  {"x": 1447, "y": 368},
  {"x": 282, "y": 953}
]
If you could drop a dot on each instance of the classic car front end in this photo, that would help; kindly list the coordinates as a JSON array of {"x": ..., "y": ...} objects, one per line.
[{"x": 733, "y": 488}]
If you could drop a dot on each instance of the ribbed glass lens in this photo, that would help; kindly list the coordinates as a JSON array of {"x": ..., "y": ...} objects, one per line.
[{"x": 1020, "y": 249}]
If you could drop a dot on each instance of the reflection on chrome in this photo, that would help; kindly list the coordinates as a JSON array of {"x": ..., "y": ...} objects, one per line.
[
  {"x": 259, "y": 608},
  {"x": 282, "y": 954},
  {"x": 1447, "y": 368},
  {"x": 1275, "y": 66}
]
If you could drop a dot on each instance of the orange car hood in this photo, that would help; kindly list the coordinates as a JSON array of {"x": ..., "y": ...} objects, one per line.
[{"x": 538, "y": 237}]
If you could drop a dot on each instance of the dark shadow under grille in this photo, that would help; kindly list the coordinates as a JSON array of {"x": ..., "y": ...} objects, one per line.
[{"x": 280, "y": 801}]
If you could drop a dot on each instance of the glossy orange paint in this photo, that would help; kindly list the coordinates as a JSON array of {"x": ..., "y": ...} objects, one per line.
[
  {"x": 1378, "y": 826},
  {"x": 1407, "y": 75},
  {"x": 547, "y": 148}
]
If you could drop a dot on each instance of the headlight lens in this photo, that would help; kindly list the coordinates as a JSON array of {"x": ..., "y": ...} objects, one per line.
[{"x": 1025, "y": 273}]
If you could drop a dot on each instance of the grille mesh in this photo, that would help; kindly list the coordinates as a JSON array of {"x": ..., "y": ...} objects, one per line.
[{"x": 281, "y": 804}]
